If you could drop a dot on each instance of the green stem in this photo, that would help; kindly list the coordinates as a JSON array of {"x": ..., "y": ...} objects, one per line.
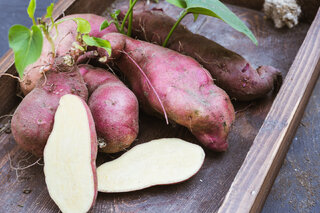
[
  {"x": 48, "y": 37},
  {"x": 126, "y": 16},
  {"x": 34, "y": 21},
  {"x": 174, "y": 27},
  {"x": 55, "y": 26},
  {"x": 130, "y": 22}
]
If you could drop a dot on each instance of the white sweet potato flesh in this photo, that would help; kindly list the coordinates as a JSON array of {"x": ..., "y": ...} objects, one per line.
[
  {"x": 69, "y": 157},
  {"x": 158, "y": 162}
]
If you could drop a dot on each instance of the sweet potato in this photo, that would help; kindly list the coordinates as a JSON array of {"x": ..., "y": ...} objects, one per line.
[
  {"x": 33, "y": 119},
  {"x": 67, "y": 33},
  {"x": 70, "y": 157},
  {"x": 185, "y": 88},
  {"x": 231, "y": 71},
  {"x": 114, "y": 107},
  {"x": 158, "y": 162}
]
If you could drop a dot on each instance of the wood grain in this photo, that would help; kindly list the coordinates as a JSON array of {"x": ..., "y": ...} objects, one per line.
[
  {"x": 253, "y": 181},
  {"x": 206, "y": 191}
]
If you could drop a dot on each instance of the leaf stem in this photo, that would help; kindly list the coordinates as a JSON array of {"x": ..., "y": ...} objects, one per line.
[
  {"x": 127, "y": 14},
  {"x": 55, "y": 26},
  {"x": 34, "y": 21},
  {"x": 48, "y": 37},
  {"x": 130, "y": 21},
  {"x": 174, "y": 27}
]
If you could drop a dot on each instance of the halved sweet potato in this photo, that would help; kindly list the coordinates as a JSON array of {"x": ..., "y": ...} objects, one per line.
[
  {"x": 70, "y": 155},
  {"x": 158, "y": 162}
]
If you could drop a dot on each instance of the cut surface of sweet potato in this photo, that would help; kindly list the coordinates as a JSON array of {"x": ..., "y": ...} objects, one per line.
[
  {"x": 158, "y": 162},
  {"x": 69, "y": 157}
]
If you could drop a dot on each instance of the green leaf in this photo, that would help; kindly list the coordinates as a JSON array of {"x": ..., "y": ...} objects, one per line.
[
  {"x": 49, "y": 10},
  {"x": 178, "y": 3},
  {"x": 83, "y": 26},
  {"x": 115, "y": 14},
  {"x": 216, "y": 9},
  {"x": 26, "y": 45},
  {"x": 31, "y": 9},
  {"x": 195, "y": 16},
  {"x": 104, "y": 25},
  {"x": 97, "y": 42}
]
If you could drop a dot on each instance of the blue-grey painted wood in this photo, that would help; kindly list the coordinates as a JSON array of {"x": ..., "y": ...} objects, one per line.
[{"x": 15, "y": 12}]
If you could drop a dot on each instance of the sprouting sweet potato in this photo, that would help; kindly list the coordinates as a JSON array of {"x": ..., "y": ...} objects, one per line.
[
  {"x": 114, "y": 107},
  {"x": 232, "y": 72},
  {"x": 158, "y": 162},
  {"x": 33, "y": 119},
  {"x": 64, "y": 45},
  {"x": 70, "y": 157},
  {"x": 164, "y": 80}
]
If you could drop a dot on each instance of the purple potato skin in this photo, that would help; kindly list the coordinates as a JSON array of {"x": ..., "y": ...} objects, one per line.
[
  {"x": 186, "y": 89},
  {"x": 32, "y": 122},
  {"x": 114, "y": 108}
]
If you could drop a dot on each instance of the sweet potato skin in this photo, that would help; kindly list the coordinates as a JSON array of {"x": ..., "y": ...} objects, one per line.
[
  {"x": 63, "y": 44},
  {"x": 114, "y": 107},
  {"x": 186, "y": 90},
  {"x": 32, "y": 121},
  {"x": 95, "y": 77},
  {"x": 231, "y": 72}
]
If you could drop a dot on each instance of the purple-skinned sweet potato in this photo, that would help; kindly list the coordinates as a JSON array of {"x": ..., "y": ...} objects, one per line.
[
  {"x": 186, "y": 90},
  {"x": 32, "y": 121},
  {"x": 67, "y": 33},
  {"x": 114, "y": 107},
  {"x": 231, "y": 72}
]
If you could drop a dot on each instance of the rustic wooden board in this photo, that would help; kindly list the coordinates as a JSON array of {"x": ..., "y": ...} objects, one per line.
[
  {"x": 204, "y": 192},
  {"x": 256, "y": 175},
  {"x": 297, "y": 186}
]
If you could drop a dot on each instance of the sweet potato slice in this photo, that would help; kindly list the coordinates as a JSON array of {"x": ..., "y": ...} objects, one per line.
[
  {"x": 69, "y": 157},
  {"x": 158, "y": 162}
]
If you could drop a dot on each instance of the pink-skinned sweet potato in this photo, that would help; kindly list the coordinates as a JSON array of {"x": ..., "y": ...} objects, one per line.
[
  {"x": 33, "y": 119},
  {"x": 231, "y": 72},
  {"x": 67, "y": 33},
  {"x": 114, "y": 107},
  {"x": 70, "y": 157},
  {"x": 185, "y": 88}
]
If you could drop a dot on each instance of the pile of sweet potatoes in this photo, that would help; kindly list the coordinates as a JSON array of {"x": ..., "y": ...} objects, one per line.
[{"x": 77, "y": 107}]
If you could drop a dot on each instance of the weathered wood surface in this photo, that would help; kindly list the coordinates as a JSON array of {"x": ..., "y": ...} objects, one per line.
[
  {"x": 256, "y": 176},
  {"x": 297, "y": 187},
  {"x": 204, "y": 192}
]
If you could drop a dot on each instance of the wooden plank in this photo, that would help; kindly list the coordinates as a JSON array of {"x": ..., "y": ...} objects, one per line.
[{"x": 255, "y": 177}]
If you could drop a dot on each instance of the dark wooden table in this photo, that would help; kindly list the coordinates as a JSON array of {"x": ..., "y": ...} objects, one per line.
[{"x": 297, "y": 187}]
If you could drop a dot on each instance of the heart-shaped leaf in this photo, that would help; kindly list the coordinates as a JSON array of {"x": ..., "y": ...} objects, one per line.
[
  {"x": 83, "y": 26},
  {"x": 26, "y": 45}
]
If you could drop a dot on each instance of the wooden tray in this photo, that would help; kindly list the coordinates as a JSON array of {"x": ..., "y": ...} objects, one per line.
[{"x": 235, "y": 181}]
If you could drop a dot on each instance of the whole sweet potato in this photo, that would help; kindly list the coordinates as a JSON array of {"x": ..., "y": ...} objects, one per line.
[
  {"x": 231, "y": 71},
  {"x": 32, "y": 121},
  {"x": 185, "y": 88},
  {"x": 67, "y": 33},
  {"x": 114, "y": 108}
]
